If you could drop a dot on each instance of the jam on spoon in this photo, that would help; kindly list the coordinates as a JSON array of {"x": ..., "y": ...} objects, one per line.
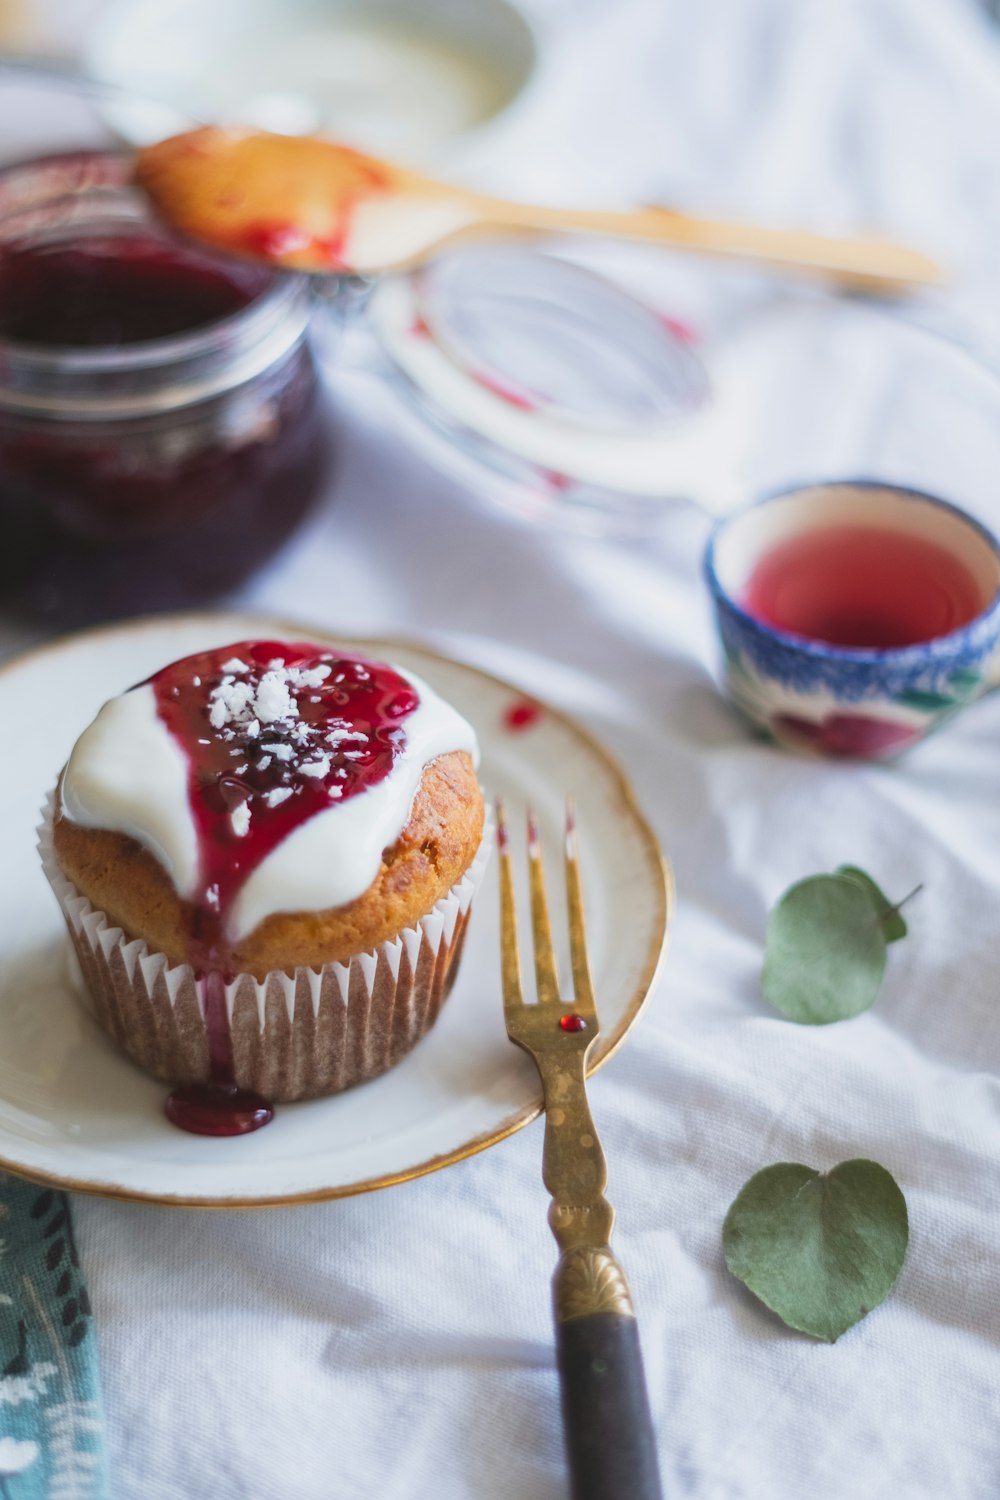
[{"x": 320, "y": 206}]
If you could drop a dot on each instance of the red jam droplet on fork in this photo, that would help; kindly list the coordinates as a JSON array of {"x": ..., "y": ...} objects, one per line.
[
  {"x": 273, "y": 734},
  {"x": 216, "y": 1109},
  {"x": 572, "y": 1023}
]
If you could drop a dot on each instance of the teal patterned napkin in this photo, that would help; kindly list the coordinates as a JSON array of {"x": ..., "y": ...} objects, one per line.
[{"x": 51, "y": 1418}]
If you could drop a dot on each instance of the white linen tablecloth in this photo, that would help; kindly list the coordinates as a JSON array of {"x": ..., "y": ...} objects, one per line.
[{"x": 400, "y": 1344}]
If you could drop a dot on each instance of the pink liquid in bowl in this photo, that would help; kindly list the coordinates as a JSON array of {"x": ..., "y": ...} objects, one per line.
[{"x": 863, "y": 587}]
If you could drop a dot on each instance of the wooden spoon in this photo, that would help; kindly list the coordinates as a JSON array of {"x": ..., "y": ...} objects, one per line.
[{"x": 311, "y": 204}]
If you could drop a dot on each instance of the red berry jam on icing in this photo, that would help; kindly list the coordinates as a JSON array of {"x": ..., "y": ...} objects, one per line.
[{"x": 273, "y": 735}]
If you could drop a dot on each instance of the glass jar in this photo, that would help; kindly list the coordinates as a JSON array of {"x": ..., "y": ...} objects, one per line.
[{"x": 162, "y": 426}]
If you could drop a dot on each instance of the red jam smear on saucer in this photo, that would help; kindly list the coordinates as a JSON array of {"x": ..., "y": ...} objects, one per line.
[{"x": 273, "y": 734}]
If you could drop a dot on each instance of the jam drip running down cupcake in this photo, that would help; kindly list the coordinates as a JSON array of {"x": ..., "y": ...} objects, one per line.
[{"x": 277, "y": 846}]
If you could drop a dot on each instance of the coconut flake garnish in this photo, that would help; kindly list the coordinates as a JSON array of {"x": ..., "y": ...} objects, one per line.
[
  {"x": 258, "y": 711},
  {"x": 229, "y": 701},
  {"x": 309, "y": 677},
  {"x": 273, "y": 700},
  {"x": 318, "y": 767},
  {"x": 239, "y": 820}
]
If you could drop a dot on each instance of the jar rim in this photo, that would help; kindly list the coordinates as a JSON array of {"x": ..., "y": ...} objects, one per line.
[
  {"x": 173, "y": 370},
  {"x": 146, "y": 353}
]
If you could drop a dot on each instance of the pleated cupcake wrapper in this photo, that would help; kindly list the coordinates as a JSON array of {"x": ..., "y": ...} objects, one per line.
[{"x": 313, "y": 1032}]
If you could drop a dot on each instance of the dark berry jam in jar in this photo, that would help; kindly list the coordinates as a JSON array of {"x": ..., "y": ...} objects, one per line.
[{"x": 162, "y": 425}]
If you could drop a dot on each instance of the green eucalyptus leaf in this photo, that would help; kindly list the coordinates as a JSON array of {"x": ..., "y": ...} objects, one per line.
[
  {"x": 825, "y": 950},
  {"x": 819, "y": 1249},
  {"x": 892, "y": 922}
]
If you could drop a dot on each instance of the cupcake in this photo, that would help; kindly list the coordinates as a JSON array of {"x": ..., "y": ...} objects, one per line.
[{"x": 266, "y": 856}]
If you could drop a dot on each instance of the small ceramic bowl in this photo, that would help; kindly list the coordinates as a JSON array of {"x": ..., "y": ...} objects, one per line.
[{"x": 868, "y": 702}]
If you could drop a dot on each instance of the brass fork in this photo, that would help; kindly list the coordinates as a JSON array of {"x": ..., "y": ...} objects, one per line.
[{"x": 609, "y": 1432}]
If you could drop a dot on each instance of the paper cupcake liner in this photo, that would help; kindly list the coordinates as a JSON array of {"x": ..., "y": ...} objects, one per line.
[{"x": 315, "y": 1031}]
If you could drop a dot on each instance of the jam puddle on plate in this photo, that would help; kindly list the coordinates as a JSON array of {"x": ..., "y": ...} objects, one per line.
[{"x": 217, "y": 1109}]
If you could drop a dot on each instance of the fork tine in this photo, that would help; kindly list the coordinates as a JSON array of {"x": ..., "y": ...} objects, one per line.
[
  {"x": 545, "y": 961},
  {"x": 583, "y": 989},
  {"x": 510, "y": 967}
]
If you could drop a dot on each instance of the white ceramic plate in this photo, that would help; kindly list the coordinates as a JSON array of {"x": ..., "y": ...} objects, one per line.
[{"x": 76, "y": 1113}]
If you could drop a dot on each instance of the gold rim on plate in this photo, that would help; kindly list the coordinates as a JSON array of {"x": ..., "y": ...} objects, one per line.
[{"x": 661, "y": 889}]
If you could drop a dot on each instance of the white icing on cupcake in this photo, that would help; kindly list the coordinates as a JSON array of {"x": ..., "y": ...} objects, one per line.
[{"x": 127, "y": 773}]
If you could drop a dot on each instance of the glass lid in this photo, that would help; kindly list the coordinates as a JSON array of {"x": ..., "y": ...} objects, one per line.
[{"x": 554, "y": 375}]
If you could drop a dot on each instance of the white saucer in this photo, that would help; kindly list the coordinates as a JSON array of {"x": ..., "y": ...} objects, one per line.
[{"x": 75, "y": 1113}]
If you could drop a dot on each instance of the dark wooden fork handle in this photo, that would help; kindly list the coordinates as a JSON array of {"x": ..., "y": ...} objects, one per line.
[{"x": 609, "y": 1431}]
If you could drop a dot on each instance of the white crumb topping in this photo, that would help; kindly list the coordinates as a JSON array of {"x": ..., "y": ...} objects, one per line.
[
  {"x": 309, "y": 677},
  {"x": 273, "y": 700},
  {"x": 277, "y": 796},
  {"x": 318, "y": 767},
  {"x": 229, "y": 701},
  {"x": 239, "y": 820},
  {"x": 234, "y": 665}
]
